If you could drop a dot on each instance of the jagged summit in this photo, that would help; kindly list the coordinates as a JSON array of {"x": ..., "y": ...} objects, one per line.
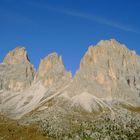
[
  {"x": 52, "y": 55},
  {"x": 108, "y": 70},
  {"x": 51, "y": 71},
  {"x": 105, "y": 87},
  {"x": 17, "y": 74},
  {"x": 48, "y": 64},
  {"x": 16, "y": 56},
  {"x": 105, "y": 49},
  {"x": 108, "y": 43}
]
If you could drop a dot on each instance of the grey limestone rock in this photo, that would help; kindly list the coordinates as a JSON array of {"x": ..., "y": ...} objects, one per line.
[
  {"x": 16, "y": 72},
  {"x": 109, "y": 70},
  {"x": 101, "y": 101}
]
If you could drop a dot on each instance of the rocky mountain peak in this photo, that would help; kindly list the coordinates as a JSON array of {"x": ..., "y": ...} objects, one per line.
[
  {"x": 109, "y": 70},
  {"x": 16, "y": 56},
  {"x": 16, "y": 73},
  {"x": 106, "y": 50},
  {"x": 106, "y": 88},
  {"x": 48, "y": 63},
  {"x": 52, "y": 71},
  {"x": 109, "y": 43}
]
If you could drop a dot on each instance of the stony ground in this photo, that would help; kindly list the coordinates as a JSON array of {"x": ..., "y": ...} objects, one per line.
[{"x": 76, "y": 124}]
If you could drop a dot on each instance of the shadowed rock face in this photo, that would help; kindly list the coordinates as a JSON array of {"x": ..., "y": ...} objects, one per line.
[{"x": 16, "y": 72}]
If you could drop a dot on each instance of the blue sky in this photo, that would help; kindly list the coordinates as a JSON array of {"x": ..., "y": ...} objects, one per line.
[{"x": 67, "y": 27}]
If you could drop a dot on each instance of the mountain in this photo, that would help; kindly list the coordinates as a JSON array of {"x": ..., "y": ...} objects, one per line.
[
  {"x": 110, "y": 71},
  {"x": 101, "y": 101},
  {"x": 16, "y": 72}
]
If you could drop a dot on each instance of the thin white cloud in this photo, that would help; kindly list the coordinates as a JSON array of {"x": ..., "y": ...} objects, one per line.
[
  {"x": 101, "y": 21},
  {"x": 92, "y": 17}
]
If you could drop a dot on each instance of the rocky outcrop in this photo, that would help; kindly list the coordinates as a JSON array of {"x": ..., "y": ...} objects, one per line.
[
  {"x": 47, "y": 64},
  {"x": 16, "y": 56},
  {"x": 105, "y": 90},
  {"x": 52, "y": 73},
  {"x": 16, "y": 72},
  {"x": 51, "y": 70},
  {"x": 109, "y": 70},
  {"x": 49, "y": 81}
]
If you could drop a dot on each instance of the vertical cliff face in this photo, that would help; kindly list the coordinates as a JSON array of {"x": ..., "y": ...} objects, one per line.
[
  {"x": 16, "y": 72},
  {"x": 106, "y": 87},
  {"x": 16, "y": 56},
  {"x": 52, "y": 71},
  {"x": 113, "y": 58},
  {"x": 109, "y": 70},
  {"x": 48, "y": 64}
]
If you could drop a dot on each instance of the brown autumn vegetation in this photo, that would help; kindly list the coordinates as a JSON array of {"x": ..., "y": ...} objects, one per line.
[{"x": 12, "y": 130}]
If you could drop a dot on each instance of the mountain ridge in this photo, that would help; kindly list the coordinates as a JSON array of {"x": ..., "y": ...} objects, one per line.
[{"x": 106, "y": 83}]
